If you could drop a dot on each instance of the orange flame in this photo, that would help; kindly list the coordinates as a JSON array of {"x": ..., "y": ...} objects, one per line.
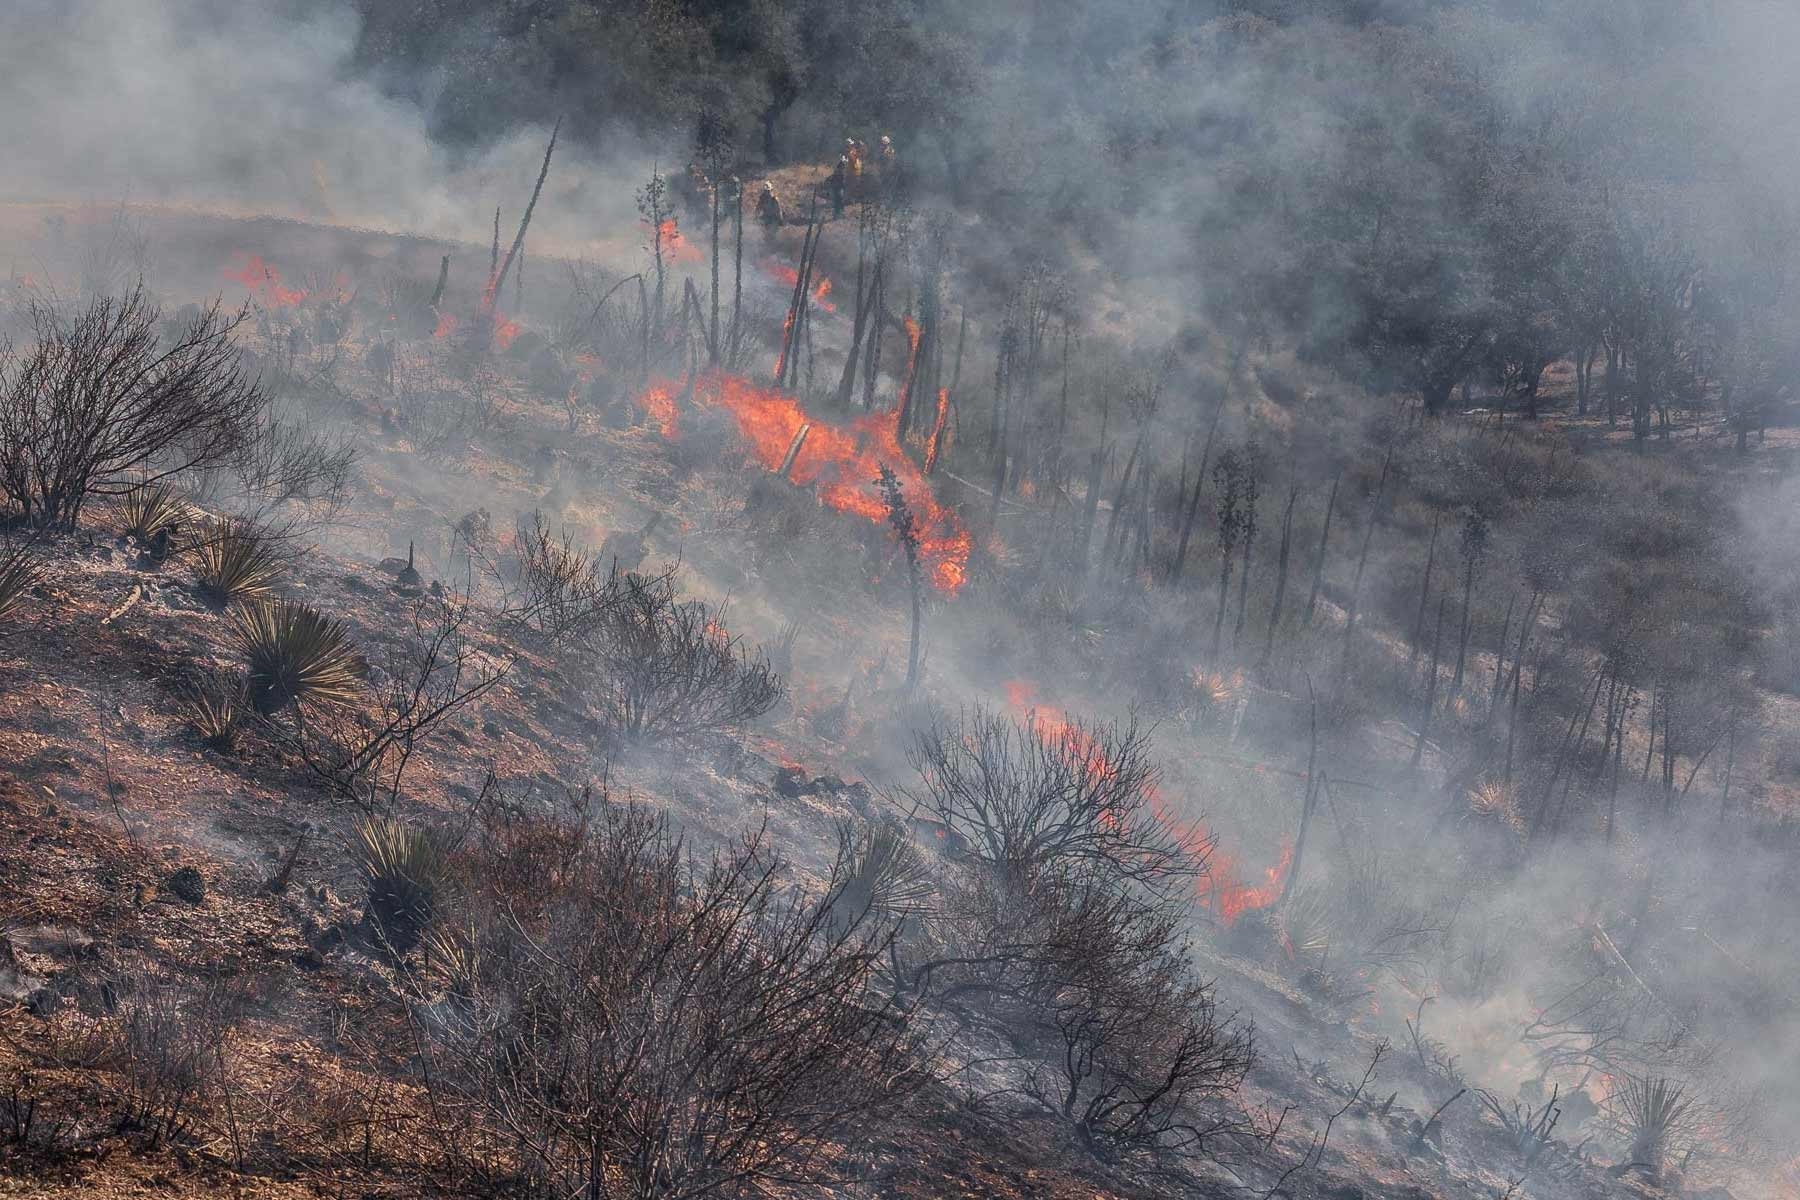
[
  {"x": 842, "y": 465},
  {"x": 659, "y": 405},
  {"x": 264, "y": 280},
  {"x": 788, "y": 277},
  {"x": 675, "y": 247},
  {"x": 937, "y": 431},
  {"x": 1221, "y": 887},
  {"x": 505, "y": 330},
  {"x": 446, "y": 326},
  {"x": 1226, "y": 894}
]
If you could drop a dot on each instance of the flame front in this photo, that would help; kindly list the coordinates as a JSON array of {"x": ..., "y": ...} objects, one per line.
[
  {"x": 841, "y": 464},
  {"x": 1221, "y": 887},
  {"x": 675, "y": 247},
  {"x": 659, "y": 405},
  {"x": 263, "y": 280},
  {"x": 788, "y": 277}
]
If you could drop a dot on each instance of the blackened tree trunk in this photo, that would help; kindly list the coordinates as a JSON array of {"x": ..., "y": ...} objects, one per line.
[
  {"x": 1425, "y": 588},
  {"x": 1437, "y": 637},
  {"x": 1281, "y": 570},
  {"x": 1318, "y": 571}
]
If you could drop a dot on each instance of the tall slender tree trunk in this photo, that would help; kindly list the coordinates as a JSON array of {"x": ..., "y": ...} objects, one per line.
[
  {"x": 1462, "y": 641},
  {"x": 1437, "y": 636},
  {"x": 1318, "y": 571},
  {"x": 1362, "y": 559},
  {"x": 1418, "y": 631},
  {"x": 1281, "y": 569}
]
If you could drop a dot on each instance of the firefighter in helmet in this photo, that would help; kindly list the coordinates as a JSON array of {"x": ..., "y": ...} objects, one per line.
[
  {"x": 838, "y": 184},
  {"x": 768, "y": 208}
]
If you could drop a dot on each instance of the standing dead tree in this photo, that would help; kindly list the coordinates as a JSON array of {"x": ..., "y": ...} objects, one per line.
[{"x": 491, "y": 294}]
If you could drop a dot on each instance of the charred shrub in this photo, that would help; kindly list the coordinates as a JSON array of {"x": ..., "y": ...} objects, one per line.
[
  {"x": 637, "y": 1024},
  {"x": 1088, "y": 980},
  {"x": 99, "y": 399},
  {"x": 561, "y": 590},
  {"x": 19, "y": 573},
  {"x": 169, "y": 1055},
  {"x": 1042, "y": 794},
  {"x": 668, "y": 668}
]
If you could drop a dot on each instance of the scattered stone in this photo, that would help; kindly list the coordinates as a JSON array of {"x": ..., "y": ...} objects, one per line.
[
  {"x": 187, "y": 885},
  {"x": 309, "y": 959}
]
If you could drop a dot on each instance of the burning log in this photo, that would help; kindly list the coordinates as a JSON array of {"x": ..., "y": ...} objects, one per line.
[{"x": 793, "y": 451}]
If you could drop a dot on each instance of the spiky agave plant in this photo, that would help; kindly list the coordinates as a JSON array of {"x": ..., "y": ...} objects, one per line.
[
  {"x": 882, "y": 872},
  {"x": 297, "y": 655},
  {"x": 407, "y": 873},
  {"x": 237, "y": 563},
  {"x": 19, "y": 572},
  {"x": 154, "y": 514},
  {"x": 1304, "y": 923},
  {"x": 216, "y": 708},
  {"x": 1652, "y": 1110}
]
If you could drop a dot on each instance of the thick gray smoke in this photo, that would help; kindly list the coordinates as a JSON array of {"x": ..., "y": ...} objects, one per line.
[{"x": 255, "y": 108}]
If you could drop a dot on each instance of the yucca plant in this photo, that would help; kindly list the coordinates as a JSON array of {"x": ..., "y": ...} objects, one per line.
[
  {"x": 154, "y": 514},
  {"x": 882, "y": 871},
  {"x": 237, "y": 563},
  {"x": 1304, "y": 923},
  {"x": 297, "y": 655},
  {"x": 407, "y": 873},
  {"x": 19, "y": 573},
  {"x": 216, "y": 709},
  {"x": 1653, "y": 1111}
]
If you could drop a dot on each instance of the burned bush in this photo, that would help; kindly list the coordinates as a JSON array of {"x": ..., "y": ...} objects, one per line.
[
  {"x": 668, "y": 669},
  {"x": 99, "y": 404},
  {"x": 637, "y": 1025},
  {"x": 561, "y": 591},
  {"x": 1039, "y": 794}
]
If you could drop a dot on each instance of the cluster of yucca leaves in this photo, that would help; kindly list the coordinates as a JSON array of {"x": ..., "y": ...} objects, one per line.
[
  {"x": 154, "y": 514},
  {"x": 237, "y": 563},
  {"x": 407, "y": 873},
  {"x": 296, "y": 655}
]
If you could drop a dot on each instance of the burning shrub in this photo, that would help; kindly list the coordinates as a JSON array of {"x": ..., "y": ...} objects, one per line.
[
  {"x": 668, "y": 668},
  {"x": 640, "y": 1026},
  {"x": 19, "y": 573},
  {"x": 154, "y": 514},
  {"x": 99, "y": 398},
  {"x": 1028, "y": 796},
  {"x": 407, "y": 875},
  {"x": 297, "y": 655},
  {"x": 237, "y": 563}
]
